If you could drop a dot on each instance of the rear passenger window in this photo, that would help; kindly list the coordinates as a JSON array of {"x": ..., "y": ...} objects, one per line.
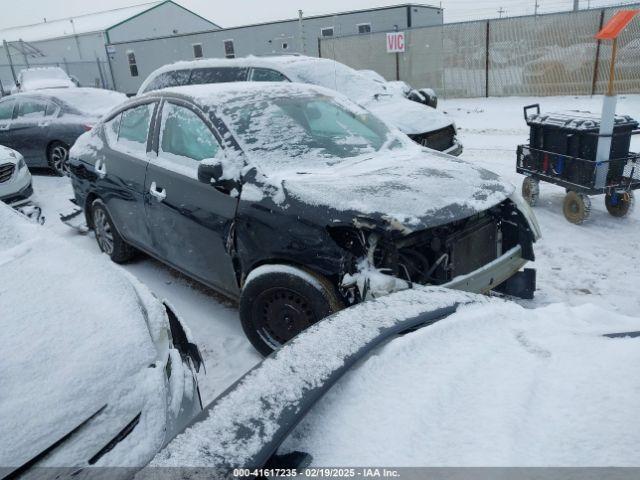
[
  {"x": 176, "y": 78},
  {"x": 267, "y": 75},
  {"x": 185, "y": 140},
  {"x": 6, "y": 109},
  {"x": 31, "y": 109},
  {"x": 134, "y": 128},
  {"x": 218, "y": 75}
]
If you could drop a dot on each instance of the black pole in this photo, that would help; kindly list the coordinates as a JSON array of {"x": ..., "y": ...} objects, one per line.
[
  {"x": 596, "y": 65},
  {"x": 486, "y": 63}
]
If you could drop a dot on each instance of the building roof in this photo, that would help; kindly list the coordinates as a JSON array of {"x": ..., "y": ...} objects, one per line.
[{"x": 92, "y": 22}]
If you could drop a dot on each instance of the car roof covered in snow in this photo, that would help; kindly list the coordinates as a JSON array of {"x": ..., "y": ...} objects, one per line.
[
  {"x": 79, "y": 330},
  {"x": 89, "y": 101}
]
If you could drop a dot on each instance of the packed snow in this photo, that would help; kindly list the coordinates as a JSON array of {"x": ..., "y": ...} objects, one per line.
[
  {"x": 593, "y": 264},
  {"x": 81, "y": 335}
]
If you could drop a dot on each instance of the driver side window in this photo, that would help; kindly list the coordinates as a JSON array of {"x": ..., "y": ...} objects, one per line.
[{"x": 185, "y": 140}]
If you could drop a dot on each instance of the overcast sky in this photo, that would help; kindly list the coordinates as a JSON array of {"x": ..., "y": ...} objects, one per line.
[{"x": 241, "y": 12}]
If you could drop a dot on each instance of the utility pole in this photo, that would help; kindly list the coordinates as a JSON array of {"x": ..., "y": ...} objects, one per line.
[
  {"x": 303, "y": 47},
  {"x": 576, "y": 5},
  {"x": 501, "y": 11},
  {"x": 535, "y": 7}
]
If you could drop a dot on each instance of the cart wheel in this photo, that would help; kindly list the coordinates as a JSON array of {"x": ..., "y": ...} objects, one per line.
[
  {"x": 531, "y": 190},
  {"x": 619, "y": 204},
  {"x": 576, "y": 207}
]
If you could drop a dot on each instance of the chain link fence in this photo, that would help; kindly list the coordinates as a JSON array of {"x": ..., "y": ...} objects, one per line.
[
  {"x": 88, "y": 73},
  {"x": 551, "y": 54}
]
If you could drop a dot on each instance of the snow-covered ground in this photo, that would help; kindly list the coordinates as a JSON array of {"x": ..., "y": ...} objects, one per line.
[{"x": 592, "y": 263}]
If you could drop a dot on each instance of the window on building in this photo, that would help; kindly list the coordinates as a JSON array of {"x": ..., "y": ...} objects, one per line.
[
  {"x": 364, "y": 28},
  {"x": 197, "y": 50},
  {"x": 326, "y": 32},
  {"x": 133, "y": 67},
  {"x": 285, "y": 45},
  {"x": 229, "y": 49}
]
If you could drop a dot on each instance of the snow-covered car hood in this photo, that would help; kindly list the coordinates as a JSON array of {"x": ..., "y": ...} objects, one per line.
[
  {"x": 8, "y": 155},
  {"x": 410, "y": 117},
  {"x": 80, "y": 335},
  {"x": 412, "y": 190}
]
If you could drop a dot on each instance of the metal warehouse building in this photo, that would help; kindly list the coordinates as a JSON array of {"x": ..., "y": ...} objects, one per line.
[
  {"x": 78, "y": 44},
  {"x": 299, "y": 35}
]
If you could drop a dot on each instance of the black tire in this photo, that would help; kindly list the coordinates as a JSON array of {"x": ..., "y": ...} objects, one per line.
[
  {"x": 58, "y": 158},
  {"x": 622, "y": 206},
  {"x": 576, "y": 207},
  {"x": 277, "y": 305},
  {"x": 107, "y": 236},
  {"x": 531, "y": 190}
]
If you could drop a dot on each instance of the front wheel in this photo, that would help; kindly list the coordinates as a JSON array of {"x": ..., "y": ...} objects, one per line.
[
  {"x": 619, "y": 204},
  {"x": 576, "y": 207},
  {"x": 58, "y": 158},
  {"x": 108, "y": 238},
  {"x": 280, "y": 301}
]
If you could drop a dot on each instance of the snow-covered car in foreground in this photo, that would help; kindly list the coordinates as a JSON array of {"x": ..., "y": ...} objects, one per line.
[
  {"x": 294, "y": 200},
  {"x": 15, "y": 179},
  {"x": 95, "y": 370},
  {"x": 43, "y": 125},
  {"x": 425, "y": 125},
  {"x": 432, "y": 377},
  {"x": 39, "y": 78}
]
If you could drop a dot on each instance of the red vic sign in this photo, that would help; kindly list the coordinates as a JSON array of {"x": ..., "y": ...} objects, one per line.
[{"x": 395, "y": 42}]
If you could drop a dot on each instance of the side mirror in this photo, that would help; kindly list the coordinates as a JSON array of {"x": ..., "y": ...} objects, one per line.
[{"x": 212, "y": 173}]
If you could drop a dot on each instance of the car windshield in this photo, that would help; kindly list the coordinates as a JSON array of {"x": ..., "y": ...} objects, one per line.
[
  {"x": 339, "y": 77},
  {"x": 305, "y": 129}
]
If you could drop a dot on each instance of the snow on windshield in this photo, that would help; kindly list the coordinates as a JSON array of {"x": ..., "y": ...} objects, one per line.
[
  {"x": 337, "y": 76},
  {"x": 303, "y": 129},
  {"x": 93, "y": 102}
]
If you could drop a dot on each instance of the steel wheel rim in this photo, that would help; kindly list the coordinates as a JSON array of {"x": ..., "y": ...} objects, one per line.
[
  {"x": 280, "y": 314},
  {"x": 104, "y": 235},
  {"x": 59, "y": 155}
]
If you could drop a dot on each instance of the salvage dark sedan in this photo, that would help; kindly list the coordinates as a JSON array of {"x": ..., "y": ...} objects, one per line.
[
  {"x": 294, "y": 201},
  {"x": 43, "y": 125}
]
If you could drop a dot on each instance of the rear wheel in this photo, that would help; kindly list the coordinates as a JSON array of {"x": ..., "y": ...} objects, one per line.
[
  {"x": 58, "y": 158},
  {"x": 619, "y": 204},
  {"x": 531, "y": 190},
  {"x": 278, "y": 302},
  {"x": 576, "y": 207},
  {"x": 108, "y": 238}
]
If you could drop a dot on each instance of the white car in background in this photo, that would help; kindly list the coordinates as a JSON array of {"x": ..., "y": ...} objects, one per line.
[
  {"x": 15, "y": 178},
  {"x": 39, "y": 78},
  {"x": 95, "y": 370},
  {"x": 423, "y": 124}
]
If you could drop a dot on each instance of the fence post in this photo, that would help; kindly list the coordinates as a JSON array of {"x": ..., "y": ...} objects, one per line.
[
  {"x": 596, "y": 65},
  {"x": 13, "y": 71},
  {"x": 100, "y": 72},
  {"x": 319, "y": 47},
  {"x": 486, "y": 62}
]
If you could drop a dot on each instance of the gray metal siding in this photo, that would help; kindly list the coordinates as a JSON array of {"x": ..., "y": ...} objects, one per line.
[
  {"x": 165, "y": 19},
  {"x": 262, "y": 39}
]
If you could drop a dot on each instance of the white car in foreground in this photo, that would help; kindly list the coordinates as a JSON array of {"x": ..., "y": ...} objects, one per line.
[
  {"x": 15, "y": 179},
  {"x": 95, "y": 370},
  {"x": 39, "y": 78},
  {"x": 425, "y": 125},
  {"x": 432, "y": 377}
]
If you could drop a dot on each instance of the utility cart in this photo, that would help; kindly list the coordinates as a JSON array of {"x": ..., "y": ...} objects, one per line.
[{"x": 562, "y": 150}]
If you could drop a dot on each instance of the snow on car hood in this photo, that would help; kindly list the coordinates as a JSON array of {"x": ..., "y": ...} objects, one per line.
[
  {"x": 78, "y": 339},
  {"x": 491, "y": 385},
  {"x": 8, "y": 155},
  {"x": 410, "y": 117},
  {"x": 411, "y": 190}
]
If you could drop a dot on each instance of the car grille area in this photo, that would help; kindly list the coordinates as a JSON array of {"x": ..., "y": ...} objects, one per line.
[
  {"x": 440, "y": 140},
  {"x": 6, "y": 172}
]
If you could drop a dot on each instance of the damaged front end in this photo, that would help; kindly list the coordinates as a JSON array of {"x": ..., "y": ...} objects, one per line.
[{"x": 479, "y": 253}]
